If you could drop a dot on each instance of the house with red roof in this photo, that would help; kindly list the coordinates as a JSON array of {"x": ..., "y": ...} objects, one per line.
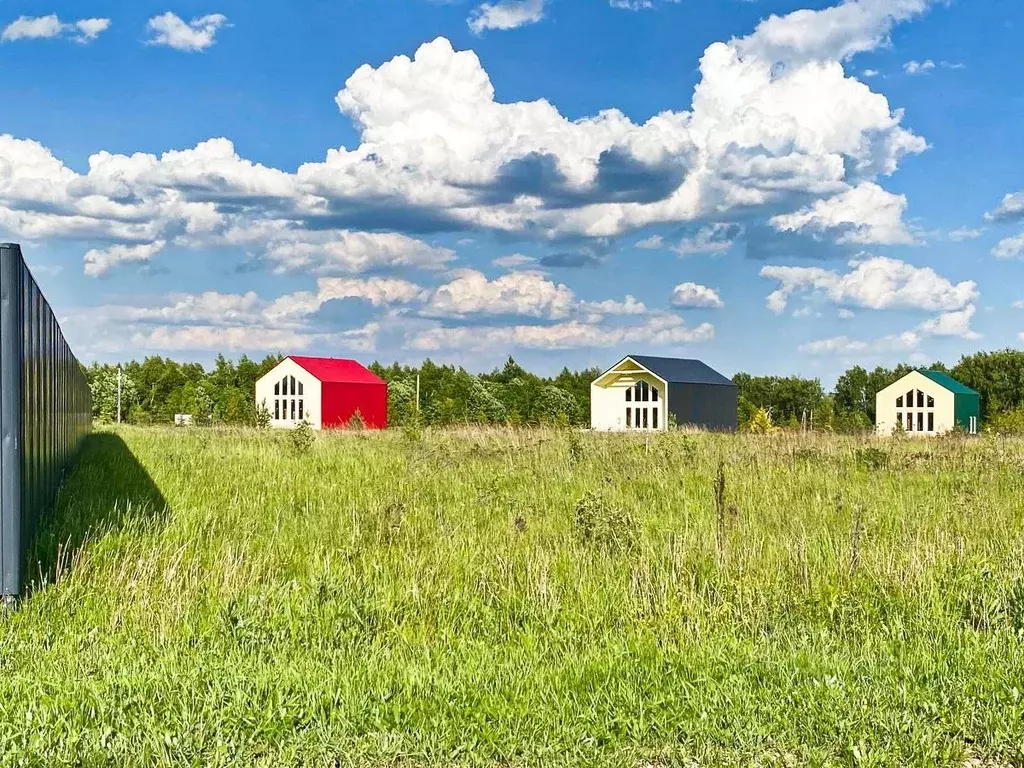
[{"x": 324, "y": 392}]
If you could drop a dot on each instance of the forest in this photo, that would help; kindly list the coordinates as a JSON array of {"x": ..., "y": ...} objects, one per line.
[{"x": 154, "y": 390}]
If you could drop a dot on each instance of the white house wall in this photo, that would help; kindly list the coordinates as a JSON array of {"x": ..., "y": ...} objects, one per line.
[
  {"x": 608, "y": 400},
  {"x": 886, "y": 410},
  {"x": 312, "y": 397}
]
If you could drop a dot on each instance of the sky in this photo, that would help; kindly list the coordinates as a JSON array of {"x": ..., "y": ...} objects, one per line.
[{"x": 772, "y": 186}]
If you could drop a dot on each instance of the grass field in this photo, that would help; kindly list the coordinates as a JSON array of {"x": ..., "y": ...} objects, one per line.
[{"x": 506, "y": 598}]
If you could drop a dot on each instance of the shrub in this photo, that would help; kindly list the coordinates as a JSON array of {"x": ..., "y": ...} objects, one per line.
[
  {"x": 1008, "y": 423},
  {"x": 599, "y": 522},
  {"x": 761, "y": 423},
  {"x": 872, "y": 458},
  {"x": 356, "y": 422},
  {"x": 262, "y": 417},
  {"x": 575, "y": 448},
  {"x": 302, "y": 438}
]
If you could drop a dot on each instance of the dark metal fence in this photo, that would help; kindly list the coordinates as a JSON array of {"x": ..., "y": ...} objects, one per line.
[{"x": 45, "y": 411}]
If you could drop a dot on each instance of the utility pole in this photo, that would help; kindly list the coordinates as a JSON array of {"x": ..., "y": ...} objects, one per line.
[
  {"x": 417, "y": 394},
  {"x": 118, "y": 393}
]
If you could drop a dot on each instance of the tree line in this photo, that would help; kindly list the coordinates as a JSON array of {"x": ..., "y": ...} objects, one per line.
[{"x": 154, "y": 390}]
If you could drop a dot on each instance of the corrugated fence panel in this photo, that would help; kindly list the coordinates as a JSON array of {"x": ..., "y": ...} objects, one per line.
[{"x": 45, "y": 411}]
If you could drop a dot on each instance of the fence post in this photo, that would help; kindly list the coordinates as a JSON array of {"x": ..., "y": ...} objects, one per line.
[{"x": 11, "y": 360}]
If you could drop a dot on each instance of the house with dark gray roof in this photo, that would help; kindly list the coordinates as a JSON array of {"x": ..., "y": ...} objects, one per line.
[{"x": 647, "y": 393}]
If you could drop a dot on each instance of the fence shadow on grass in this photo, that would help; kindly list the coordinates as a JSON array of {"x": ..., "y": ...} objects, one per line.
[{"x": 106, "y": 489}]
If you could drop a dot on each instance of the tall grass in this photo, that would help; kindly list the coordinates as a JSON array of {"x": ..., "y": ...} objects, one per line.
[{"x": 487, "y": 597}]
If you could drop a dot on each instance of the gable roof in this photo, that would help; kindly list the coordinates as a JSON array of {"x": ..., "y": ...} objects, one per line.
[
  {"x": 948, "y": 382},
  {"x": 332, "y": 370},
  {"x": 676, "y": 370}
]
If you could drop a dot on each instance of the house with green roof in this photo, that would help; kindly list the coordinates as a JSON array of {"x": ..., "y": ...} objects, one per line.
[{"x": 927, "y": 403}]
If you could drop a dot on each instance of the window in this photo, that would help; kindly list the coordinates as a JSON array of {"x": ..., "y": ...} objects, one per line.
[
  {"x": 899, "y": 401},
  {"x": 293, "y": 410},
  {"x": 654, "y": 417},
  {"x": 300, "y": 388},
  {"x": 931, "y": 421},
  {"x": 899, "y": 418},
  {"x": 277, "y": 388},
  {"x": 277, "y": 408},
  {"x": 910, "y": 399},
  {"x": 645, "y": 418},
  {"x": 292, "y": 380},
  {"x": 654, "y": 394},
  {"x": 974, "y": 425},
  {"x": 629, "y": 418},
  {"x": 920, "y": 399},
  {"x": 920, "y": 421},
  {"x": 931, "y": 401},
  {"x": 910, "y": 421},
  {"x": 629, "y": 395},
  {"x": 301, "y": 416}
]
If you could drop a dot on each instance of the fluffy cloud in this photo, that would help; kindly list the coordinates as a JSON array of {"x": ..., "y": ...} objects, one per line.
[
  {"x": 100, "y": 261},
  {"x": 952, "y": 324},
  {"x": 513, "y": 260},
  {"x": 249, "y": 339},
  {"x": 599, "y": 309},
  {"x": 844, "y": 346},
  {"x": 777, "y": 130},
  {"x": 506, "y": 14},
  {"x": 178, "y": 339},
  {"x": 192, "y": 37},
  {"x": 1010, "y": 248},
  {"x": 714, "y": 238},
  {"x": 695, "y": 296},
  {"x": 965, "y": 233},
  {"x": 864, "y": 214},
  {"x": 528, "y": 294},
  {"x": 660, "y": 330},
  {"x": 1012, "y": 207},
  {"x": 919, "y": 67},
  {"x": 873, "y": 283},
  {"x": 46, "y": 27}
]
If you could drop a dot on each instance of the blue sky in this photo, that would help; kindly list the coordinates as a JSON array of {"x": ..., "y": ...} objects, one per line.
[{"x": 772, "y": 186}]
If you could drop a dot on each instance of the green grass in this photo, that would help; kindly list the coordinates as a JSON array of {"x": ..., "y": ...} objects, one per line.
[{"x": 523, "y": 598}]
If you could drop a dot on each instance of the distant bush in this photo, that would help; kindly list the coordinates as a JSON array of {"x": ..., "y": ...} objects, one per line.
[
  {"x": 597, "y": 521},
  {"x": 302, "y": 438},
  {"x": 872, "y": 458},
  {"x": 760, "y": 423},
  {"x": 1010, "y": 423}
]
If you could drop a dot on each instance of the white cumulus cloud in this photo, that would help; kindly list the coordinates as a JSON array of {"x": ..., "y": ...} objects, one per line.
[
  {"x": 48, "y": 27},
  {"x": 919, "y": 67},
  {"x": 1010, "y": 248},
  {"x": 516, "y": 293},
  {"x": 660, "y": 330},
  {"x": 192, "y": 37},
  {"x": 696, "y": 296},
  {"x": 1011, "y": 207},
  {"x": 873, "y": 283},
  {"x": 506, "y": 14},
  {"x": 100, "y": 261}
]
